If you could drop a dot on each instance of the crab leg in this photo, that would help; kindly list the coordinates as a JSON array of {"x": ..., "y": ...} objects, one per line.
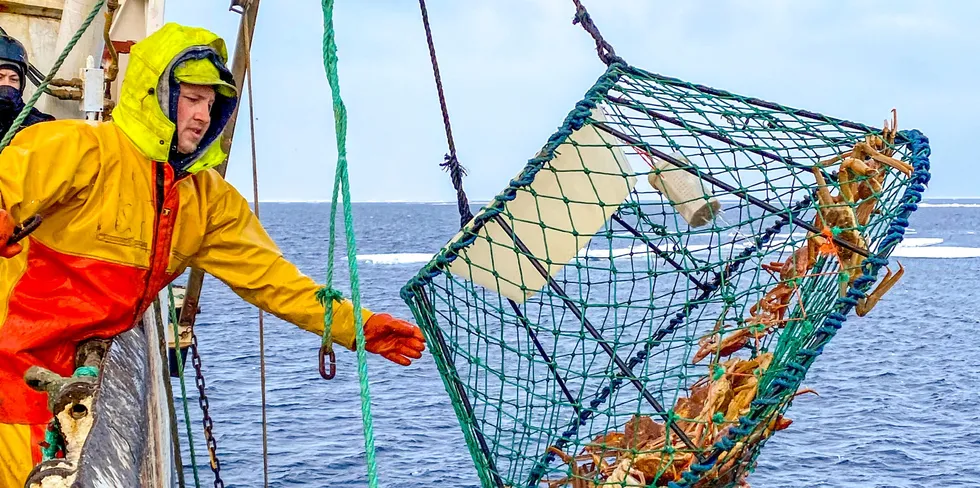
[
  {"x": 823, "y": 194},
  {"x": 865, "y": 305},
  {"x": 849, "y": 188},
  {"x": 865, "y": 209},
  {"x": 902, "y": 166},
  {"x": 577, "y": 479}
]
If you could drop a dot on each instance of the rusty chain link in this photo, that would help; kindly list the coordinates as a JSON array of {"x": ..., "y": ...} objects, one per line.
[{"x": 208, "y": 423}]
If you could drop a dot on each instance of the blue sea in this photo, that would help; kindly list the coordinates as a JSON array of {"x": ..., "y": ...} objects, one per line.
[{"x": 899, "y": 402}]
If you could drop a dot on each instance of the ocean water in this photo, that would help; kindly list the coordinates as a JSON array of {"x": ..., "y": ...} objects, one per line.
[{"x": 899, "y": 402}]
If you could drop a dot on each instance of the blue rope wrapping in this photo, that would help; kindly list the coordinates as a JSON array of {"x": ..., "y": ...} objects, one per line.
[{"x": 920, "y": 152}]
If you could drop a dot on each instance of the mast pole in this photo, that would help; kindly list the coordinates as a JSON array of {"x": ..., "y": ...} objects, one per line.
[{"x": 246, "y": 28}]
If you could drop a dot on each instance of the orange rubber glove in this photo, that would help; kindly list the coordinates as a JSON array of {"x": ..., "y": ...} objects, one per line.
[
  {"x": 7, "y": 225},
  {"x": 393, "y": 339}
]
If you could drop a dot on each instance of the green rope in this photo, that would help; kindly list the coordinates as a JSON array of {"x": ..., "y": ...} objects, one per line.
[
  {"x": 51, "y": 74},
  {"x": 90, "y": 371},
  {"x": 183, "y": 388},
  {"x": 342, "y": 181},
  {"x": 53, "y": 440},
  {"x": 326, "y": 296}
]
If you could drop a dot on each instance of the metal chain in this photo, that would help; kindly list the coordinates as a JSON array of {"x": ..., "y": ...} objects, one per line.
[{"x": 208, "y": 423}]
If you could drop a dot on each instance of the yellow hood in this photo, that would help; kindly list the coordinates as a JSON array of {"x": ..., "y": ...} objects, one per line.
[{"x": 149, "y": 92}]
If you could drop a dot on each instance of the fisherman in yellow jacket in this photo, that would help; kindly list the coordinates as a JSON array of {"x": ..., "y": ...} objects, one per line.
[{"x": 127, "y": 206}]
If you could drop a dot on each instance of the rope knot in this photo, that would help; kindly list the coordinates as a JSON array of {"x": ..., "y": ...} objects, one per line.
[
  {"x": 451, "y": 163},
  {"x": 327, "y": 294},
  {"x": 717, "y": 371}
]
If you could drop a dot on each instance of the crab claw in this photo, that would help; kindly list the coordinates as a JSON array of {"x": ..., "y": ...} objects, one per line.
[
  {"x": 864, "y": 306},
  {"x": 805, "y": 391}
]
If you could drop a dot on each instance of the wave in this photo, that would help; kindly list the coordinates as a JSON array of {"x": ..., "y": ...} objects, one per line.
[
  {"x": 949, "y": 205},
  {"x": 936, "y": 252},
  {"x": 920, "y": 241},
  {"x": 911, "y": 247},
  {"x": 396, "y": 258}
]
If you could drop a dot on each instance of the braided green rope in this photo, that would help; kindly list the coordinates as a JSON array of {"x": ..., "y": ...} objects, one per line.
[
  {"x": 340, "y": 120},
  {"x": 51, "y": 74},
  {"x": 183, "y": 387}
]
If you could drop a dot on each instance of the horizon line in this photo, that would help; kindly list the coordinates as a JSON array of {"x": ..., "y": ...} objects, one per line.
[{"x": 474, "y": 202}]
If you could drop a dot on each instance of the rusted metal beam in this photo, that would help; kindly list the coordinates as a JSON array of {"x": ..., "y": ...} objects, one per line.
[
  {"x": 246, "y": 28},
  {"x": 49, "y": 9},
  {"x": 114, "y": 426},
  {"x": 129, "y": 443}
]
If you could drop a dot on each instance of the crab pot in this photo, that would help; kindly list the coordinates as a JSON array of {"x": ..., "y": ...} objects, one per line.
[{"x": 578, "y": 309}]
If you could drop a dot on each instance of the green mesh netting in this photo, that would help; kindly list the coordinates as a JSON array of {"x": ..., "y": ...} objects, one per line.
[{"x": 641, "y": 303}]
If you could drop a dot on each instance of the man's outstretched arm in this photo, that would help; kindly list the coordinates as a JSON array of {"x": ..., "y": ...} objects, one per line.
[{"x": 238, "y": 251}]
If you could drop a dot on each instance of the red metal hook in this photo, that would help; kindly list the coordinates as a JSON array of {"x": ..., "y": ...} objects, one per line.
[{"x": 323, "y": 367}]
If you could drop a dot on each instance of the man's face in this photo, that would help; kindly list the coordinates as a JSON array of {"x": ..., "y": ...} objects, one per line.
[
  {"x": 193, "y": 115},
  {"x": 9, "y": 77}
]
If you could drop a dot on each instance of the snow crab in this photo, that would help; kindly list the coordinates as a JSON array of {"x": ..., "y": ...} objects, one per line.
[
  {"x": 639, "y": 455},
  {"x": 861, "y": 176},
  {"x": 769, "y": 313}
]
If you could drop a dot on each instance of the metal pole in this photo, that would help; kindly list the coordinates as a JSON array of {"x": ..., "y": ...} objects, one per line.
[
  {"x": 661, "y": 254},
  {"x": 188, "y": 312}
]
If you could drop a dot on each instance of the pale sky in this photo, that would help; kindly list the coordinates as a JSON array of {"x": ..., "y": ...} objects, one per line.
[{"x": 513, "y": 69}]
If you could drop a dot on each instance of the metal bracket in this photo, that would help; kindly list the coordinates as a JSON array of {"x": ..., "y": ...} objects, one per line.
[{"x": 93, "y": 88}]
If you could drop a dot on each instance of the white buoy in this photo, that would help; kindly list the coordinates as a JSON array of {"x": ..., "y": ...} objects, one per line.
[{"x": 685, "y": 191}]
